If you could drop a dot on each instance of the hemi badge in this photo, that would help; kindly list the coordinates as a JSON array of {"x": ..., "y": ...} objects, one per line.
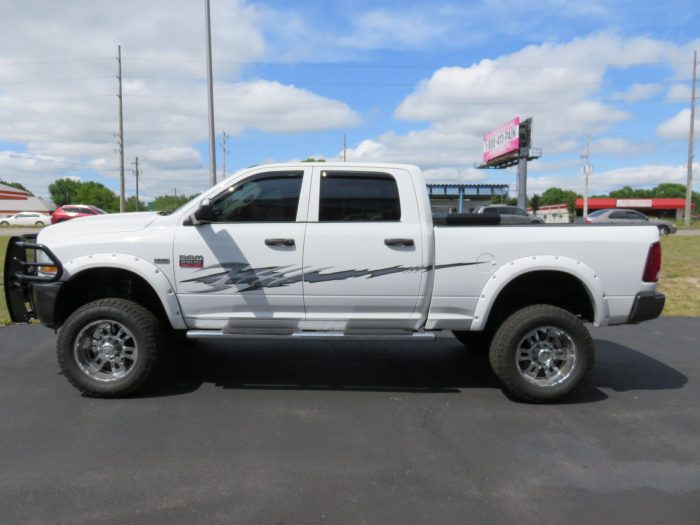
[
  {"x": 191, "y": 261},
  {"x": 161, "y": 261}
]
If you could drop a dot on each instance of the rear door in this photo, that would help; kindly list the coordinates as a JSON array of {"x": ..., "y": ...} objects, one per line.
[{"x": 363, "y": 254}]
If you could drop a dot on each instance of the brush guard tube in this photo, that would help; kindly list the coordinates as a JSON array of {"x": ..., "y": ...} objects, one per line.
[{"x": 21, "y": 274}]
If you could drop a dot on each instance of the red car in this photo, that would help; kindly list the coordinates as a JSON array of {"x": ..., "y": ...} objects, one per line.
[{"x": 73, "y": 211}]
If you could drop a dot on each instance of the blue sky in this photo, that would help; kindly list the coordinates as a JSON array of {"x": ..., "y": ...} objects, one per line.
[{"x": 416, "y": 82}]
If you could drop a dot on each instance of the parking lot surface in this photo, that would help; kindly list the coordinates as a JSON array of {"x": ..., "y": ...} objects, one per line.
[{"x": 339, "y": 432}]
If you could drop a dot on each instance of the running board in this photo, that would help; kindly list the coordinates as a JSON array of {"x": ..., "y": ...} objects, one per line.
[{"x": 272, "y": 334}]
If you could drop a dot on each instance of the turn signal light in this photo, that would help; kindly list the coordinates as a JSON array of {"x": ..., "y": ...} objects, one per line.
[
  {"x": 48, "y": 269},
  {"x": 653, "y": 266}
]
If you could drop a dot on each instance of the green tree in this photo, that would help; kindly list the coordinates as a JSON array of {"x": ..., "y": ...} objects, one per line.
[
  {"x": 98, "y": 195},
  {"x": 311, "y": 159},
  {"x": 64, "y": 191},
  {"x": 131, "y": 204},
  {"x": 559, "y": 196},
  {"x": 170, "y": 202},
  {"x": 535, "y": 202},
  {"x": 669, "y": 190},
  {"x": 17, "y": 185}
]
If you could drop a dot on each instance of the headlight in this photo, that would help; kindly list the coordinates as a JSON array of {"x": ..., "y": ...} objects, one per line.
[{"x": 48, "y": 270}]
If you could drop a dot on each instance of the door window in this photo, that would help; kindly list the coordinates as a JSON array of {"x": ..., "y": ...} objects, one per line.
[
  {"x": 358, "y": 197},
  {"x": 271, "y": 197},
  {"x": 618, "y": 215}
]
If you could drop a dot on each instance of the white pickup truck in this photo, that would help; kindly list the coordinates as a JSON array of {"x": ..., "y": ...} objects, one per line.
[{"x": 329, "y": 251}]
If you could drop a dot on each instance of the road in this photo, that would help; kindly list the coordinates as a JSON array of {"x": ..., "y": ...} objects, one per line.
[{"x": 337, "y": 432}]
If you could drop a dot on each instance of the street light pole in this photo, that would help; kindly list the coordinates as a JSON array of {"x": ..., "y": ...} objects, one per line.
[{"x": 210, "y": 95}]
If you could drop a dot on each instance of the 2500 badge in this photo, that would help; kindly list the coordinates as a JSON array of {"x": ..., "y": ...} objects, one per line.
[{"x": 191, "y": 261}]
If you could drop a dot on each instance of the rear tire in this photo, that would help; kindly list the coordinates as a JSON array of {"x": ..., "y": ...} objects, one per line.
[
  {"x": 542, "y": 354},
  {"x": 109, "y": 347},
  {"x": 664, "y": 230}
]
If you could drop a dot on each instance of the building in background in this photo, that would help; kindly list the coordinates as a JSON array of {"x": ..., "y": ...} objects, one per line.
[
  {"x": 14, "y": 201},
  {"x": 461, "y": 198},
  {"x": 553, "y": 213},
  {"x": 671, "y": 208}
]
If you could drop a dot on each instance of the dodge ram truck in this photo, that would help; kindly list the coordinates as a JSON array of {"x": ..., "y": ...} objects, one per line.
[{"x": 321, "y": 250}]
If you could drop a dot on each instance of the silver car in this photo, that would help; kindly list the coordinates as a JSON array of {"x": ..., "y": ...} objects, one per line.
[
  {"x": 623, "y": 216},
  {"x": 510, "y": 214}
]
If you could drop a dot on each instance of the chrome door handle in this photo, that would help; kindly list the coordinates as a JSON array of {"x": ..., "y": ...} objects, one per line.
[
  {"x": 279, "y": 242},
  {"x": 399, "y": 242}
]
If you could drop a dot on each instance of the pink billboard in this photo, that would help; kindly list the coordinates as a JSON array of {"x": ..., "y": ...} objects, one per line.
[{"x": 504, "y": 139}]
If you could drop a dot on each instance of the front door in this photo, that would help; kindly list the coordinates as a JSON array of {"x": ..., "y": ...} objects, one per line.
[
  {"x": 245, "y": 268},
  {"x": 363, "y": 255}
]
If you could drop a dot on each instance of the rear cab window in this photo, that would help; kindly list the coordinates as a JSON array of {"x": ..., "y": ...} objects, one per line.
[{"x": 358, "y": 197}]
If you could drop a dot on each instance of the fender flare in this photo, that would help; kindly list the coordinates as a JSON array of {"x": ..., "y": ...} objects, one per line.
[
  {"x": 145, "y": 269},
  {"x": 535, "y": 263}
]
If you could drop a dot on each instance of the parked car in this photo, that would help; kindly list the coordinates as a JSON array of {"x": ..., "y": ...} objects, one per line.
[
  {"x": 624, "y": 216},
  {"x": 73, "y": 211},
  {"x": 27, "y": 218},
  {"x": 510, "y": 214}
]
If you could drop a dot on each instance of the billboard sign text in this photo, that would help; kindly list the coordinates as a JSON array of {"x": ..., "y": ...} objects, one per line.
[{"x": 502, "y": 140}]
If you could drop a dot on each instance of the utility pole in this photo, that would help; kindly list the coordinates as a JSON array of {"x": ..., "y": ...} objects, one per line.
[
  {"x": 587, "y": 169},
  {"x": 176, "y": 193},
  {"x": 136, "y": 173},
  {"x": 691, "y": 139},
  {"x": 345, "y": 147},
  {"x": 210, "y": 96},
  {"x": 224, "y": 150},
  {"x": 122, "y": 198}
]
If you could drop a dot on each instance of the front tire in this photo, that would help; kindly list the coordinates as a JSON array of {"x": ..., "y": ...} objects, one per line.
[
  {"x": 109, "y": 347},
  {"x": 4, "y": 223},
  {"x": 542, "y": 354}
]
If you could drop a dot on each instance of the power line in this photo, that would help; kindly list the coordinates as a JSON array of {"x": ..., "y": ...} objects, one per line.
[
  {"x": 38, "y": 158},
  {"x": 52, "y": 99},
  {"x": 54, "y": 61},
  {"x": 39, "y": 81},
  {"x": 416, "y": 65}
]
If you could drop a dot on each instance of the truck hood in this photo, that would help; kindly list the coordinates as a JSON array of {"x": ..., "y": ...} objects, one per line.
[{"x": 108, "y": 223}]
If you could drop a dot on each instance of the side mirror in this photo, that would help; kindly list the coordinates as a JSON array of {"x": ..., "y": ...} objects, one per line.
[{"x": 203, "y": 215}]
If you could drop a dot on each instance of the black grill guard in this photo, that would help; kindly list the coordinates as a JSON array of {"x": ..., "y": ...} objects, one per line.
[{"x": 21, "y": 274}]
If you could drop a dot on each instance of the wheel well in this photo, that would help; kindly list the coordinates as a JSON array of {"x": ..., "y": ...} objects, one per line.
[
  {"x": 542, "y": 287},
  {"x": 100, "y": 283}
]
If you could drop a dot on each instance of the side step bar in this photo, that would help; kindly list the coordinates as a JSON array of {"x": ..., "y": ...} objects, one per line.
[{"x": 289, "y": 334}]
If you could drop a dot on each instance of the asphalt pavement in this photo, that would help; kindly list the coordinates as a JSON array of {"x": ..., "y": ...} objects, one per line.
[{"x": 339, "y": 432}]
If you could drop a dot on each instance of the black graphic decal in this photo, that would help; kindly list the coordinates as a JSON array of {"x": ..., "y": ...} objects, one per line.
[{"x": 250, "y": 279}]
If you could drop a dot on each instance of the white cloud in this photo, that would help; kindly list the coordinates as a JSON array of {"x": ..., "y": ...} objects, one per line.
[
  {"x": 678, "y": 93},
  {"x": 678, "y": 126},
  {"x": 636, "y": 176},
  {"x": 57, "y": 88},
  {"x": 455, "y": 175},
  {"x": 637, "y": 92},
  {"x": 559, "y": 85},
  {"x": 620, "y": 147}
]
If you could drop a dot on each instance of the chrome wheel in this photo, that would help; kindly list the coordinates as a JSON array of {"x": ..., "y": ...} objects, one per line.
[
  {"x": 546, "y": 356},
  {"x": 105, "y": 350}
]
